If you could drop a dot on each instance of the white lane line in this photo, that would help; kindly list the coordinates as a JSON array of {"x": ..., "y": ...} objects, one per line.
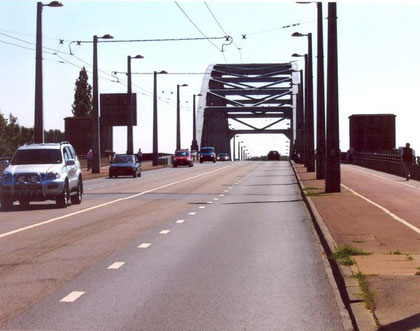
[
  {"x": 215, "y": 199},
  {"x": 384, "y": 178},
  {"x": 221, "y": 195},
  {"x": 116, "y": 265},
  {"x": 73, "y": 296},
  {"x": 230, "y": 187},
  {"x": 395, "y": 217},
  {"x": 55, "y": 219},
  {"x": 165, "y": 231},
  {"x": 192, "y": 213},
  {"x": 179, "y": 221},
  {"x": 226, "y": 191},
  {"x": 202, "y": 207},
  {"x": 209, "y": 202},
  {"x": 144, "y": 245}
]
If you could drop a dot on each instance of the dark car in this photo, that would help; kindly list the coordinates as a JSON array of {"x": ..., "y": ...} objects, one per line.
[
  {"x": 124, "y": 164},
  {"x": 223, "y": 157},
  {"x": 182, "y": 157},
  {"x": 207, "y": 154},
  {"x": 273, "y": 156}
]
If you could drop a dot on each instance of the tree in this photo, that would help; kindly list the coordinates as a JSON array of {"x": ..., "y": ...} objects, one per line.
[{"x": 82, "y": 106}]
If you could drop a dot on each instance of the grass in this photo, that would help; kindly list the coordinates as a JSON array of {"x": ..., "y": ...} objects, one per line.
[
  {"x": 367, "y": 295},
  {"x": 343, "y": 254}
]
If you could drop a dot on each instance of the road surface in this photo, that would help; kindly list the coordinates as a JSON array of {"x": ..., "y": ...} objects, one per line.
[{"x": 223, "y": 246}]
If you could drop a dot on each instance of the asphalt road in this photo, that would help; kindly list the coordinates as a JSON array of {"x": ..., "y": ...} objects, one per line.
[{"x": 222, "y": 246}]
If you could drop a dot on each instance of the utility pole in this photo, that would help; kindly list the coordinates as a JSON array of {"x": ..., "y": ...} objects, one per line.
[
  {"x": 320, "y": 101},
  {"x": 333, "y": 175}
]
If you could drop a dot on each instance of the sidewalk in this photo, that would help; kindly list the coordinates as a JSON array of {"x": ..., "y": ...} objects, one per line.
[{"x": 389, "y": 272}]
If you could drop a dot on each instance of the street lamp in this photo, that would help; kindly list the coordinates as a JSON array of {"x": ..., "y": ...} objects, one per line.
[
  {"x": 178, "y": 117},
  {"x": 130, "y": 105},
  {"x": 309, "y": 103},
  {"x": 96, "y": 143},
  {"x": 39, "y": 116},
  {"x": 194, "y": 144},
  {"x": 155, "y": 119},
  {"x": 320, "y": 97}
]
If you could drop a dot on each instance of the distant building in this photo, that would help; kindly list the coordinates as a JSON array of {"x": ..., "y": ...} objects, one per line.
[{"x": 372, "y": 132}]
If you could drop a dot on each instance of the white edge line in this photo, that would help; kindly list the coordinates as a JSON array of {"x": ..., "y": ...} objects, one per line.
[
  {"x": 6, "y": 234},
  {"x": 395, "y": 217},
  {"x": 144, "y": 245},
  {"x": 116, "y": 265}
]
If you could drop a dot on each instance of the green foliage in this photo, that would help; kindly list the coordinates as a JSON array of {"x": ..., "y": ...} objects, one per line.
[
  {"x": 13, "y": 135},
  {"x": 82, "y": 105},
  {"x": 343, "y": 254},
  {"x": 367, "y": 294}
]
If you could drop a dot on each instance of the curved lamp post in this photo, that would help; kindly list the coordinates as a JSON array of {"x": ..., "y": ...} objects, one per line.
[
  {"x": 155, "y": 119},
  {"x": 178, "y": 117},
  {"x": 39, "y": 112},
  {"x": 130, "y": 148},
  {"x": 96, "y": 144},
  {"x": 309, "y": 104}
]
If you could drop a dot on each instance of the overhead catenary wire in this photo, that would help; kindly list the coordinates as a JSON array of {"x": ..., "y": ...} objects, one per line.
[{"x": 195, "y": 25}]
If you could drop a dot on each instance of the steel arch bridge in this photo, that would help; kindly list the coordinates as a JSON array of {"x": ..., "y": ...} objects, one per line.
[{"x": 243, "y": 92}]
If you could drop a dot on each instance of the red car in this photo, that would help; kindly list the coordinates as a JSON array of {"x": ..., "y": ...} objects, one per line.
[{"x": 182, "y": 157}]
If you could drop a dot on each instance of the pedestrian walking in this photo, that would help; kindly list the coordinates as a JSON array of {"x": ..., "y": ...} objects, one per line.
[
  {"x": 139, "y": 155},
  {"x": 89, "y": 156},
  {"x": 407, "y": 160}
]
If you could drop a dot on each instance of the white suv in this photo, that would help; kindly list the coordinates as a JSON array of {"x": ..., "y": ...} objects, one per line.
[{"x": 39, "y": 172}]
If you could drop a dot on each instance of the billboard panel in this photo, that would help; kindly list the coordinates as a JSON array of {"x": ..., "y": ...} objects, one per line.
[{"x": 115, "y": 110}]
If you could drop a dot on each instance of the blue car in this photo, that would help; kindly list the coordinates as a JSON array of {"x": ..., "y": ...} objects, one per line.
[
  {"x": 124, "y": 164},
  {"x": 207, "y": 154}
]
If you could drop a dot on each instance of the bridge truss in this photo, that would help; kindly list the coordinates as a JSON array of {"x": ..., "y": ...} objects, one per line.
[{"x": 243, "y": 92}]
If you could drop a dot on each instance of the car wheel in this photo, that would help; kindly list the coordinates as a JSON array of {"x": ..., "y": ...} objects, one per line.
[
  {"x": 201, "y": 161},
  {"x": 214, "y": 161},
  {"x": 63, "y": 199},
  {"x": 190, "y": 165},
  {"x": 6, "y": 203},
  {"x": 140, "y": 173},
  {"x": 77, "y": 198},
  {"x": 174, "y": 165},
  {"x": 135, "y": 174},
  {"x": 24, "y": 203}
]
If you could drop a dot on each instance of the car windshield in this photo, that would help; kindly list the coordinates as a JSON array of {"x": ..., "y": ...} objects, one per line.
[
  {"x": 222, "y": 154},
  {"x": 124, "y": 159},
  {"x": 183, "y": 153},
  {"x": 207, "y": 150},
  {"x": 37, "y": 156}
]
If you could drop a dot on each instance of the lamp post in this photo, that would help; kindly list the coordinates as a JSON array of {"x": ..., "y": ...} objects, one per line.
[
  {"x": 320, "y": 97},
  {"x": 178, "y": 117},
  {"x": 332, "y": 171},
  {"x": 194, "y": 144},
  {"x": 39, "y": 112},
  {"x": 130, "y": 105},
  {"x": 309, "y": 104},
  {"x": 155, "y": 119},
  {"x": 96, "y": 144}
]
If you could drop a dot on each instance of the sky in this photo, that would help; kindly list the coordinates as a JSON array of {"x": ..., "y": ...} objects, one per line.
[{"x": 378, "y": 52}]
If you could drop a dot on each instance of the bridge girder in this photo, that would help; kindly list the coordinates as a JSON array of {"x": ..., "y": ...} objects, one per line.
[{"x": 242, "y": 92}]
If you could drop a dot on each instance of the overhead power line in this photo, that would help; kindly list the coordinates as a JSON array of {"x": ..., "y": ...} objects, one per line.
[{"x": 195, "y": 25}]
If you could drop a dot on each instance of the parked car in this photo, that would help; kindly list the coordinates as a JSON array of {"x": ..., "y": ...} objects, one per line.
[
  {"x": 207, "y": 154},
  {"x": 223, "y": 157},
  {"x": 182, "y": 157},
  {"x": 125, "y": 164},
  {"x": 273, "y": 156},
  {"x": 39, "y": 172}
]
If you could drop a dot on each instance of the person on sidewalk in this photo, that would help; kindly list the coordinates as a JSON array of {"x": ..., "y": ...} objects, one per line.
[
  {"x": 139, "y": 155},
  {"x": 407, "y": 160},
  {"x": 89, "y": 156}
]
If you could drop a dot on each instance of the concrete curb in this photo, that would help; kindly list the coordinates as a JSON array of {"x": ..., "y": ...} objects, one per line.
[{"x": 354, "y": 314}]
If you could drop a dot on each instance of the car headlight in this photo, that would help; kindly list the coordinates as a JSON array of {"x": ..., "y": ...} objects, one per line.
[
  {"x": 52, "y": 176},
  {"x": 7, "y": 177}
]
